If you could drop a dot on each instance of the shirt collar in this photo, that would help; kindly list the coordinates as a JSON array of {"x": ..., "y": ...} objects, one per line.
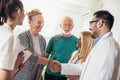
[
  {"x": 7, "y": 26},
  {"x": 103, "y": 36},
  {"x": 96, "y": 40}
]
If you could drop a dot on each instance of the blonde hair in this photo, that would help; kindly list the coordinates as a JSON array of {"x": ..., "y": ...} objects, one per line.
[
  {"x": 33, "y": 13},
  {"x": 86, "y": 46}
]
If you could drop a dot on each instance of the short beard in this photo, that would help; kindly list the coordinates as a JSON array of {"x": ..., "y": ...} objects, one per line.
[
  {"x": 66, "y": 33},
  {"x": 94, "y": 36}
]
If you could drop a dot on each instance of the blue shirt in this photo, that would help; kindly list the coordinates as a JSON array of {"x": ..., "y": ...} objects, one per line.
[{"x": 96, "y": 40}]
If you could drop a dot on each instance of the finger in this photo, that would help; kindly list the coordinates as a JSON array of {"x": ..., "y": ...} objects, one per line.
[{"x": 55, "y": 67}]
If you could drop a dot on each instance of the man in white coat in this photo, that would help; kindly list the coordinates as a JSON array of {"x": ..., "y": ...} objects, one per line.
[{"x": 103, "y": 61}]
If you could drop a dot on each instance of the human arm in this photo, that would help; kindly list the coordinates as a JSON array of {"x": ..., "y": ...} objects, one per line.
[
  {"x": 72, "y": 77},
  {"x": 24, "y": 39},
  {"x": 47, "y": 55},
  {"x": 5, "y": 74},
  {"x": 49, "y": 48},
  {"x": 71, "y": 69},
  {"x": 42, "y": 60},
  {"x": 26, "y": 42},
  {"x": 9, "y": 74},
  {"x": 67, "y": 69},
  {"x": 10, "y": 58}
]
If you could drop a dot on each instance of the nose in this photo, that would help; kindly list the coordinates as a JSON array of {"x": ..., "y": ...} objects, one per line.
[
  {"x": 90, "y": 29},
  {"x": 67, "y": 25}
]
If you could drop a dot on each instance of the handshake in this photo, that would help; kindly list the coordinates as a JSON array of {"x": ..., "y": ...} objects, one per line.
[{"x": 54, "y": 66}]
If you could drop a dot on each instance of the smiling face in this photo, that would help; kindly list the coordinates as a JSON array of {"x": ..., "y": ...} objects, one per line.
[
  {"x": 36, "y": 23},
  {"x": 67, "y": 26}
]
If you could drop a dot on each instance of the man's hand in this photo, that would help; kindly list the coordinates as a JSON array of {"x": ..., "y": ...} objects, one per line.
[{"x": 55, "y": 66}]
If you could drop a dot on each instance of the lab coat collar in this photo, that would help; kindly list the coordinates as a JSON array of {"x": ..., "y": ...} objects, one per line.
[
  {"x": 106, "y": 35},
  {"x": 8, "y": 27}
]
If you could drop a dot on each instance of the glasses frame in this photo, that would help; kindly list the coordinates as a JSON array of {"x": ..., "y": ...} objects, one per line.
[{"x": 90, "y": 22}]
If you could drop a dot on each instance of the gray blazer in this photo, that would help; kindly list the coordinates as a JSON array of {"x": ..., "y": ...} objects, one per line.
[{"x": 31, "y": 71}]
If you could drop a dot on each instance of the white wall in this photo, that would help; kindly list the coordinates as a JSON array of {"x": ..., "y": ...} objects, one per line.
[
  {"x": 53, "y": 13},
  {"x": 114, "y": 7},
  {"x": 76, "y": 18}
]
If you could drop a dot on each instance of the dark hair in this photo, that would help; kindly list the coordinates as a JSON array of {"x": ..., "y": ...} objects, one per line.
[
  {"x": 8, "y": 8},
  {"x": 106, "y": 16}
]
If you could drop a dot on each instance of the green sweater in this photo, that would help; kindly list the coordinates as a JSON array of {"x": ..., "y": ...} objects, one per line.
[{"x": 61, "y": 49}]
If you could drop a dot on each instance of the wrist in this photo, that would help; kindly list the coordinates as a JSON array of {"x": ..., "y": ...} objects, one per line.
[{"x": 49, "y": 62}]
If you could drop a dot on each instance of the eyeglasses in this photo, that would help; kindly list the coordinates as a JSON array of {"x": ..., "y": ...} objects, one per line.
[{"x": 93, "y": 21}]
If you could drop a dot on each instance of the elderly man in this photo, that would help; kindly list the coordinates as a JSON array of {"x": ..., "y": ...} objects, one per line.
[{"x": 61, "y": 47}]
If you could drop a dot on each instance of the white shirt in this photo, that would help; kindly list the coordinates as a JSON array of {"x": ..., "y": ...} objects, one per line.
[
  {"x": 101, "y": 64},
  {"x": 9, "y": 48},
  {"x": 36, "y": 44}
]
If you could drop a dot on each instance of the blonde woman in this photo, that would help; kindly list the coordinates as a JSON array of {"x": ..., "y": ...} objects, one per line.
[
  {"x": 85, "y": 43},
  {"x": 36, "y": 42}
]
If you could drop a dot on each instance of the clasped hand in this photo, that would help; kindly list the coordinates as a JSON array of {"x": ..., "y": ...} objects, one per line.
[{"x": 54, "y": 66}]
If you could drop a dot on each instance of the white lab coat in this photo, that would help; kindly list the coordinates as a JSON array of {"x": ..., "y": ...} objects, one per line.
[
  {"x": 9, "y": 48},
  {"x": 101, "y": 64}
]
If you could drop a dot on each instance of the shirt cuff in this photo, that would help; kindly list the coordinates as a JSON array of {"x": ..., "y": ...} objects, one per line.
[{"x": 71, "y": 69}]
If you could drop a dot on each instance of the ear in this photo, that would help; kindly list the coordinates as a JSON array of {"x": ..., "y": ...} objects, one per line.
[
  {"x": 73, "y": 25},
  {"x": 29, "y": 22},
  {"x": 100, "y": 23},
  {"x": 60, "y": 25},
  {"x": 19, "y": 12}
]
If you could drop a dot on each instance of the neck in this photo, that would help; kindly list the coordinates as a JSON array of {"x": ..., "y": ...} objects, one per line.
[
  {"x": 66, "y": 35},
  {"x": 11, "y": 24}
]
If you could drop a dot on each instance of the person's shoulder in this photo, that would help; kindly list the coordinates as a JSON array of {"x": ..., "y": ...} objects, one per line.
[
  {"x": 74, "y": 37},
  {"x": 56, "y": 36},
  {"x": 24, "y": 33},
  {"x": 110, "y": 42},
  {"x": 5, "y": 29},
  {"x": 41, "y": 36},
  {"x": 5, "y": 33},
  {"x": 6, "y": 38}
]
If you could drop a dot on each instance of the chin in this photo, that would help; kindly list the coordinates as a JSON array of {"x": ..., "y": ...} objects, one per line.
[
  {"x": 20, "y": 23},
  {"x": 93, "y": 37},
  {"x": 67, "y": 33},
  {"x": 39, "y": 30}
]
